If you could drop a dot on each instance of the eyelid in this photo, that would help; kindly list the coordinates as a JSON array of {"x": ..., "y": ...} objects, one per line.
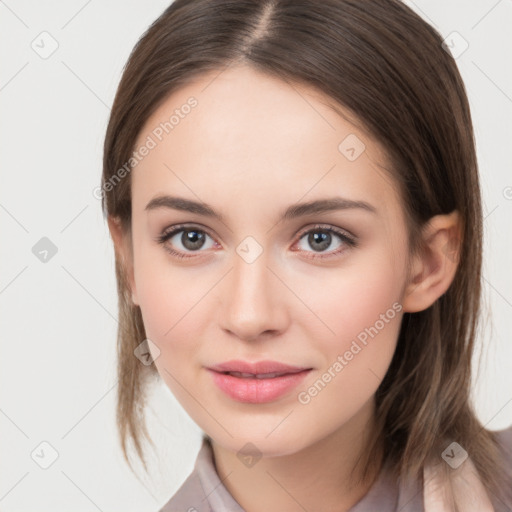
[
  {"x": 327, "y": 227},
  {"x": 176, "y": 228}
]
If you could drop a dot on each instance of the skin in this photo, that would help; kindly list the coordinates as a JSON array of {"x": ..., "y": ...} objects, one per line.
[{"x": 253, "y": 146}]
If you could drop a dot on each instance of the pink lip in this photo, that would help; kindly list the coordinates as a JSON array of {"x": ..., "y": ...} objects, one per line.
[{"x": 254, "y": 390}]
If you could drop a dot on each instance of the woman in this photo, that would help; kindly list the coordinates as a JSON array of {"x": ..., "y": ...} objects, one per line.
[{"x": 293, "y": 195}]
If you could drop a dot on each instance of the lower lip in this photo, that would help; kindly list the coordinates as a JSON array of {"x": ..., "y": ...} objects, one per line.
[{"x": 257, "y": 391}]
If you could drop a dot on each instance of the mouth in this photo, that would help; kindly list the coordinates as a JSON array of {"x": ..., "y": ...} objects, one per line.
[
  {"x": 260, "y": 375},
  {"x": 242, "y": 368},
  {"x": 257, "y": 388}
]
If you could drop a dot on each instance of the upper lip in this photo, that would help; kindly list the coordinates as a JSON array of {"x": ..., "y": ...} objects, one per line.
[{"x": 257, "y": 368}]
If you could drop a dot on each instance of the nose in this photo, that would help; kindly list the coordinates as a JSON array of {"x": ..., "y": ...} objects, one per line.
[{"x": 253, "y": 306}]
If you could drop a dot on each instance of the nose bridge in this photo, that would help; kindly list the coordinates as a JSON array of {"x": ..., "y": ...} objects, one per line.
[{"x": 251, "y": 305}]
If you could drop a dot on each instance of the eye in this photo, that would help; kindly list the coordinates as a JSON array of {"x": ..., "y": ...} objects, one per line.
[
  {"x": 321, "y": 238},
  {"x": 186, "y": 239},
  {"x": 191, "y": 239}
]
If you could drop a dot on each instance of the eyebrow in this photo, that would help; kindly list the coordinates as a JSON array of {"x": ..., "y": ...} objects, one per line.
[{"x": 292, "y": 212}]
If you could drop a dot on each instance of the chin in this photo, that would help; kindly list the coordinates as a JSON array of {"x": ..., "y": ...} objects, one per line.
[{"x": 276, "y": 444}]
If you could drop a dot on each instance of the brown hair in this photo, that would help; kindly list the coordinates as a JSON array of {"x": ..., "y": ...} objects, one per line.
[{"x": 386, "y": 66}]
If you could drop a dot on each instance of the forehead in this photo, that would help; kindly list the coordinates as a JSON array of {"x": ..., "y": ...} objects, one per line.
[{"x": 242, "y": 136}]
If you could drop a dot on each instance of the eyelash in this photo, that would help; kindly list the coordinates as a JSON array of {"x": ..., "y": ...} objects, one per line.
[{"x": 349, "y": 240}]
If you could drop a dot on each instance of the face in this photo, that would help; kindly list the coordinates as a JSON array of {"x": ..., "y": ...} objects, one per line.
[{"x": 320, "y": 289}]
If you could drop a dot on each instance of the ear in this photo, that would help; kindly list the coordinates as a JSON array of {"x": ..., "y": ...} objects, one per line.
[
  {"x": 123, "y": 248},
  {"x": 433, "y": 270}
]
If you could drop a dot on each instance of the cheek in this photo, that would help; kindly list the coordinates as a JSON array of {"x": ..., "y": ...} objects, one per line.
[
  {"x": 353, "y": 298},
  {"x": 355, "y": 359},
  {"x": 172, "y": 312},
  {"x": 170, "y": 300},
  {"x": 361, "y": 306}
]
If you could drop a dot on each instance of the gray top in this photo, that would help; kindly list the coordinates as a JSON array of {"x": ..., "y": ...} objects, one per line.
[{"x": 203, "y": 490}]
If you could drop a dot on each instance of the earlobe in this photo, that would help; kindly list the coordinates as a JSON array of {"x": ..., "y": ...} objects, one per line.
[
  {"x": 433, "y": 270},
  {"x": 122, "y": 249}
]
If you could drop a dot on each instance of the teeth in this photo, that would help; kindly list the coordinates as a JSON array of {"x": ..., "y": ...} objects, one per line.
[{"x": 253, "y": 376}]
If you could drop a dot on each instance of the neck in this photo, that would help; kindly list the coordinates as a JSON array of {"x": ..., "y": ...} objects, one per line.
[{"x": 323, "y": 477}]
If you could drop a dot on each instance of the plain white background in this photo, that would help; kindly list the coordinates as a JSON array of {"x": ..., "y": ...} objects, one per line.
[{"x": 58, "y": 377}]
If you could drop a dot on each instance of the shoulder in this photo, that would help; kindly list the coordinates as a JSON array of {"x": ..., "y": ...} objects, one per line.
[
  {"x": 504, "y": 440},
  {"x": 203, "y": 490},
  {"x": 189, "y": 497}
]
